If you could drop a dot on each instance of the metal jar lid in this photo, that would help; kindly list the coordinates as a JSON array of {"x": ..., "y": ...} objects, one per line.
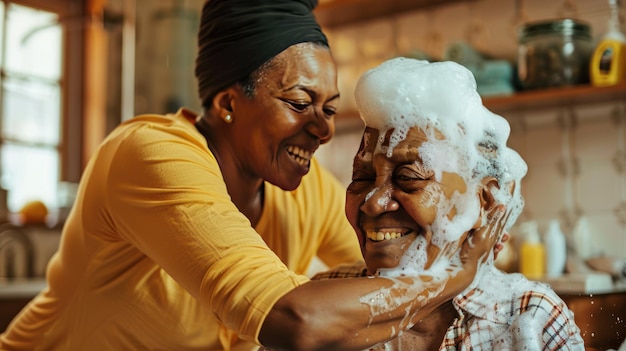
[{"x": 565, "y": 27}]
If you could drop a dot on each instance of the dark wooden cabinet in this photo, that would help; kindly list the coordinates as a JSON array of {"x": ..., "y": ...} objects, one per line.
[
  {"x": 9, "y": 308},
  {"x": 600, "y": 317}
]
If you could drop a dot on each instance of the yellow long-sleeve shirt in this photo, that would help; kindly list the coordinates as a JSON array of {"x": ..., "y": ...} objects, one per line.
[{"x": 155, "y": 256}]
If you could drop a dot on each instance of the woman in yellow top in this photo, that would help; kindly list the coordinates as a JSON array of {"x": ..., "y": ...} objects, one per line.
[{"x": 194, "y": 233}]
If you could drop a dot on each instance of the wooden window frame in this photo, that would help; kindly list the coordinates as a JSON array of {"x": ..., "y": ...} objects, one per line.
[{"x": 74, "y": 21}]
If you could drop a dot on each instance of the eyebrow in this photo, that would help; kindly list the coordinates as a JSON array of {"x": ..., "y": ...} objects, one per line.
[
  {"x": 411, "y": 156},
  {"x": 311, "y": 92}
]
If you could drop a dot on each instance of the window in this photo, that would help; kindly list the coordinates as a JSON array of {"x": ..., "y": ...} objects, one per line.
[
  {"x": 41, "y": 100},
  {"x": 30, "y": 101}
]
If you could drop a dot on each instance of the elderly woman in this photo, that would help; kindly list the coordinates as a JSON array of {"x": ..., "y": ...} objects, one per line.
[
  {"x": 432, "y": 162},
  {"x": 195, "y": 232}
]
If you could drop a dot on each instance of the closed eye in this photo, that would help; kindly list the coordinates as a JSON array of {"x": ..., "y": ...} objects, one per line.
[
  {"x": 330, "y": 112},
  {"x": 299, "y": 106},
  {"x": 407, "y": 178},
  {"x": 411, "y": 179}
]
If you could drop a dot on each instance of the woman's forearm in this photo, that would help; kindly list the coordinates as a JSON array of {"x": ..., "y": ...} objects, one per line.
[{"x": 354, "y": 313}]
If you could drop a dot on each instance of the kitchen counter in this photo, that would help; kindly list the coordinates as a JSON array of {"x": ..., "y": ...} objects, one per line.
[
  {"x": 21, "y": 287},
  {"x": 14, "y": 295},
  {"x": 583, "y": 283}
]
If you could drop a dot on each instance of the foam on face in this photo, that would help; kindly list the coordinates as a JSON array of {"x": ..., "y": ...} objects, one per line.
[{"x": 441, "y": 98}]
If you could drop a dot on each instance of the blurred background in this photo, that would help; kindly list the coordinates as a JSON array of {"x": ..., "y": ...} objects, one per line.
[{"x": 71, "y": 70}]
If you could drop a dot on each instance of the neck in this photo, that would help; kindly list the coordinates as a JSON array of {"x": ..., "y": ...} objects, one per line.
[
  {"x": 245, "y": 192},
  {"x": 432, "y": 329}
]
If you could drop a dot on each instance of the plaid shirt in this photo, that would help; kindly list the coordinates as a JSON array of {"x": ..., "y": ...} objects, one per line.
[{"x": 500, "y": 311}]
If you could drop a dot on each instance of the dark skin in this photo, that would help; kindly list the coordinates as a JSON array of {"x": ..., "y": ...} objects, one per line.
[
  {"x": 400, "y": 194},
  {"x": 271, "y": 138},
  {"x": 432, "y": 329},
  {"x": 293, "y": 106}
]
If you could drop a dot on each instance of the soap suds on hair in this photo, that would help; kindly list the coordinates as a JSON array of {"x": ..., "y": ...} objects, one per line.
[{"x": 441, "y": 99}]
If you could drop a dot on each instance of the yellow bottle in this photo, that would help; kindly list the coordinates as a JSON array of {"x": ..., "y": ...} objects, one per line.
[
  {"x": 608, "y": 62},
  {"x": 532, "y": 262}
]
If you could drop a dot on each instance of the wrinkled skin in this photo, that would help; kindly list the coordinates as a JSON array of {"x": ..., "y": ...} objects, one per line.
[
  {"x": 291, "y": 111},
  {"x": 398, "y": 194}
]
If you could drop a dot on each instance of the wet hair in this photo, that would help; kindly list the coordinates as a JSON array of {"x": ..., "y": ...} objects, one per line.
[{"x": 488, "y": 148}]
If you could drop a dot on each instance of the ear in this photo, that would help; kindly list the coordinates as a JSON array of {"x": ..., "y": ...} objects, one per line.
[
  {"x": 486, "y": 198},
  {"x": 222, "y": 104}
]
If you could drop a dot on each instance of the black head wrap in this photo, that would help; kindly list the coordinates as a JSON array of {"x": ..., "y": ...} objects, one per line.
[{"x": 238, "y": 36}]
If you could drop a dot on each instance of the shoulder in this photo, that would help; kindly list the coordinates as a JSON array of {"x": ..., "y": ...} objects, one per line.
[
  {"x": 541, "y": 300},
  {"x": 150, "y": 136},
  {"x": 513, "y": 295},
  {"x": 156, "y": 128},
  {"x": 542, "y": 310},
  {"x": 526, "y": 313},
  {"x": 536, "y": 298}
]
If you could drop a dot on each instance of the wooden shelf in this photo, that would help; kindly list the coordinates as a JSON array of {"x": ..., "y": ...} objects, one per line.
[
  {"x": 334, "y": 13},
  {"x": 544, "y": 98},
  {"x": 555, "y": 97}
]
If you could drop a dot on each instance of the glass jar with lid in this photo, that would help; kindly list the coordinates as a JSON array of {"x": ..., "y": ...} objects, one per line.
[{"x": 554, "y": 53}]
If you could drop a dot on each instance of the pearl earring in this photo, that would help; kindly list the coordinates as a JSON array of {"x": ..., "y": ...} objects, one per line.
[{"x": 228, "y": 119}]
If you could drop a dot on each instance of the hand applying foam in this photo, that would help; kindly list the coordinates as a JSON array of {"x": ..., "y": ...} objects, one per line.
[{"x": 478, "y": 243}]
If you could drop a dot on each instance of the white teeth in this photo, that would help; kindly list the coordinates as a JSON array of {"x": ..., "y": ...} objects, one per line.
[
  {"x": 300, "y": 155},
  {"x": 380, "y": 236}
]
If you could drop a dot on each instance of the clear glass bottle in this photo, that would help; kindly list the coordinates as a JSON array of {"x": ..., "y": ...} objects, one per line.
[{"x": 554, "y": 53}]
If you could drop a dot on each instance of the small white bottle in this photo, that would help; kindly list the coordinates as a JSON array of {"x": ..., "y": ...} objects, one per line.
[{"x": 556, "y": 250}]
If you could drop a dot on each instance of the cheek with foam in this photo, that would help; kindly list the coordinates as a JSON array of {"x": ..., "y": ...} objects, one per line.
[{"x": 431, "y": 195}]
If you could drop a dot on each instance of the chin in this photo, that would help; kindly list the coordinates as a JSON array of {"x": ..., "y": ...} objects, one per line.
[
  {"x": 290, "y": 184},
  {"x": 374, "y": 264}
]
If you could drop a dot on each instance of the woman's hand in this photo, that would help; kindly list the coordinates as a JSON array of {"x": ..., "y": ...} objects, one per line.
[
  {"x": 476, "y": 248},
  {"x": 500, "y": 244},
  {"x": 479, "y": 242}
]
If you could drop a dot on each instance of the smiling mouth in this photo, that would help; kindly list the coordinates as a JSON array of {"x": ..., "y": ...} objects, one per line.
[
  {"x": 386, "y": 235},
  {"x": 301, "y": 156}
]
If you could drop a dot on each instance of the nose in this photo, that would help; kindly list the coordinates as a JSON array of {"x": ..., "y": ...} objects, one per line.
[
  {"x": 378, "y": 201},
  {"x": 321, "y": 126}
]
